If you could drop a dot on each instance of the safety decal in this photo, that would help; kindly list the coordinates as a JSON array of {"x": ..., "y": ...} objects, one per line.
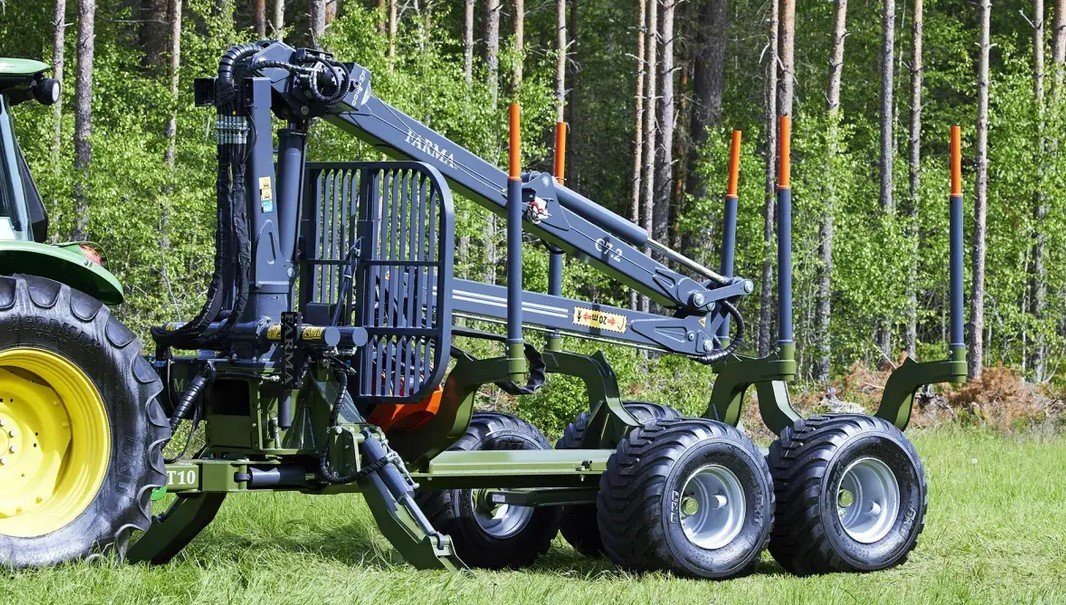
[{"x": 614, "y": 322}]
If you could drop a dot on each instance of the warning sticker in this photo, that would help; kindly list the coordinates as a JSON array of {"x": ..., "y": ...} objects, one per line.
[
  {"x": 614, "y": 322},
  {"x": 266, "y": 194}
]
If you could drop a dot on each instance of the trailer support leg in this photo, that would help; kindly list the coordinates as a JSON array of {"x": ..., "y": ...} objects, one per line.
[{"x": 176, "y": 528}]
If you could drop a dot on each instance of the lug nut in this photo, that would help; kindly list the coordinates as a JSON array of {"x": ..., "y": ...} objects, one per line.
[
  {"x": 3, "y": 461},
  {"x": 12, "y": 449}
]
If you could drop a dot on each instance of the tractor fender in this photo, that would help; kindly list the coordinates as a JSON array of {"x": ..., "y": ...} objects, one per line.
[{"x": 62, "y": 263}]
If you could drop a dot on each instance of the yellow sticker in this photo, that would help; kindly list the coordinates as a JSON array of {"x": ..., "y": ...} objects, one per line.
[
  {"x": 614, "y": 322},
  {"x": 265, "y": 191}
]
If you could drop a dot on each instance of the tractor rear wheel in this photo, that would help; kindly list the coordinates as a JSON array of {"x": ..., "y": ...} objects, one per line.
[
  {"x": 81, "y": 430},
  {"x": 485, "y": 534},
  {"x": 851, "y": 495},
  {"x": 691, "y": 496},
  {"x": 577, "y": 522}
]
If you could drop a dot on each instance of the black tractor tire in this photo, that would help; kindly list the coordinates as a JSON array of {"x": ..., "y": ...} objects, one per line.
[
  {"x": 38, "y": 313},
  {"x": 812, "y": 464},
  {"x": 454, "y": 511},
  {"x": 577, "y": 522},
  {"x": 645, "y": 493}
]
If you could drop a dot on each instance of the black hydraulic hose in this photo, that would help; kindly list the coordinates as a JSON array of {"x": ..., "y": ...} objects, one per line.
[
  {"x": 239, "y": 222},
  {"x": 191, "y": 394},
  {"x": 735, "y": 343},
  {"x": 189, "y": 333},
  {"x": 325, "y": 472}
]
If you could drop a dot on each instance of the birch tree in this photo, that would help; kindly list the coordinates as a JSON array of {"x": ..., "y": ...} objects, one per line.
[
  {"x": 665, "y": 177},
  {"x": 914, "y": 174},
  {"x": 278, "y": 23},
  {"x": 468, "y": 41},
  {"x": 59, "y": 52},
  {"x": 83, "y": 113},
  {"x": 638, "y": 127},
  {"x": 651, "y": 63},
  {"x": 824, "y": 298},
  {"x": 977, "y": 296},
  {"x": 766, "y": 281},
  {"x": 1038, "y": 273},
  {"x": 316, "y": 21}
]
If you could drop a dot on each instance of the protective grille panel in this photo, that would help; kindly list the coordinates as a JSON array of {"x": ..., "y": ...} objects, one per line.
[{"x": 390, "y": 227}]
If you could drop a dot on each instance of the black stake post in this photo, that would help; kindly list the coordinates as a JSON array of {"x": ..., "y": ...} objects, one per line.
[
  {"x": 555, "y": 255},
  {"x": 786, "y": 346},
  {"x": 515, "y": 345},
  {"x": 729, "y": 227},
  {"x": 957, "y": 344}
]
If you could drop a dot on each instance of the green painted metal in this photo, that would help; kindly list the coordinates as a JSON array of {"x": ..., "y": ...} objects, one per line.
[
  {"x": 897, "y": 400},
  {"x": 397, "y": 523},
  {"x": 13, "y": 67},
  {"x": 548, "y": 496},
  {"x": 609, "y": 421},
  {"x": 769, "y": 375},
  {"x": 64, "y": 263},
  {"x": 175, "y": 528}
]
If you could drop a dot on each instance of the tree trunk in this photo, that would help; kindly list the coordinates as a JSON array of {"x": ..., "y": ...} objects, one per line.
[
  {"x": 171, "y": 132},
  {"x": 152, "y": 32},
  {"x": 83, "y": 114},
  {"x": 1038, "y": 274},
  {"x": 260, "y": 19},
  {"x": 59, "y": 52},
  {"x": 787, "y": 50},
  {"x": 468, "y": 41},
  {"x": 638, "y": 129},
  {"x": 560, "y": 60},
  {"x": 492, "y": 63},
  {"x": 316, "y": 21},
  {"x": 914, "y": 173},
  {"x": 708, "y": 80},
  {"x": 492, "y": 47},
  {"x": 977, "y": 298},
  {"x": 665, "y": 178},
  {"x": 766, "y": 283},
  {"x": 519, "y": 45},
  {"x": 1058, "y": 43},
  {"x": 888, "y": 144},
  {"x": 651, "y": 72},
  {"x": 573, "y": 103},
  {"x": 392, "y": 35},
  {"x": 888, "y": 46},
  {"x": 824, "y": 297},
  {"x": 279, "y": 19}
]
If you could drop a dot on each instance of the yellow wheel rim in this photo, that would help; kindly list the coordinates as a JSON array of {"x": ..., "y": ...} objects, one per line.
[{"x": 55, "y": 442}]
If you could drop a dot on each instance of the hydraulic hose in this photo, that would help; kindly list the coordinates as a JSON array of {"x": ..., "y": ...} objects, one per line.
[{"x": 734, "y": 344}]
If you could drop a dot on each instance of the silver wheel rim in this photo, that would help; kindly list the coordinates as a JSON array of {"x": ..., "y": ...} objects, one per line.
[
  {"x": 867, "y": 500},
  {"x": 498, "y": 520},
  {"x": 712, "y": 507}
]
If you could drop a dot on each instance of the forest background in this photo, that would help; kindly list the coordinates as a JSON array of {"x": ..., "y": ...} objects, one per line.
[{"x": 650, "y": 90}]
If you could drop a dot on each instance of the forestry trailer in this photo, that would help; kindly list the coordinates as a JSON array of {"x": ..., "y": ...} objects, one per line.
[{"x": 323, "y": 361}]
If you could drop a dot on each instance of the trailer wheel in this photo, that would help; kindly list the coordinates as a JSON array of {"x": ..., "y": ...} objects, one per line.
[
  {"x": 577, "y": 522},
  {"x": 851, "y": 495},
  {"x": 493, "y": 536},
  {"x": 691, "y": 496},
  {"x": 81, "y": 430}
]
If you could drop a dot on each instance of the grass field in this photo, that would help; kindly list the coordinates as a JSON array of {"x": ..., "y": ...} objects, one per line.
[{"x": 995, "y": 533}]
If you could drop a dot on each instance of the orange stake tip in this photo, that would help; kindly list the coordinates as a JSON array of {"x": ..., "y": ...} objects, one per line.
[
  {"x": 515, "y": 155},
  {"x": 784, "y": 152},
  {"x": 560, "y": 152},
  {"x": 956, "y": 160},
  {"x": 734, "y": 164}
]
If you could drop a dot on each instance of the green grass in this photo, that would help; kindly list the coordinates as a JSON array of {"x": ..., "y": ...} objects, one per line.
[{"x": 995, "y": 533}]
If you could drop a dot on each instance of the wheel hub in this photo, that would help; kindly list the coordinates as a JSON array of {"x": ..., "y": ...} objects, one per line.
[
  {"x": 712, "y": 507},
  {"x": 54, "y": 442},
  {"x": 499, "y": 520},
  {"x": 868, "y": 500}
]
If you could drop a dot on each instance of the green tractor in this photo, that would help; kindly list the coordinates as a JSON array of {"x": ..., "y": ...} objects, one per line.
[{"x": 81, "y": 430}]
